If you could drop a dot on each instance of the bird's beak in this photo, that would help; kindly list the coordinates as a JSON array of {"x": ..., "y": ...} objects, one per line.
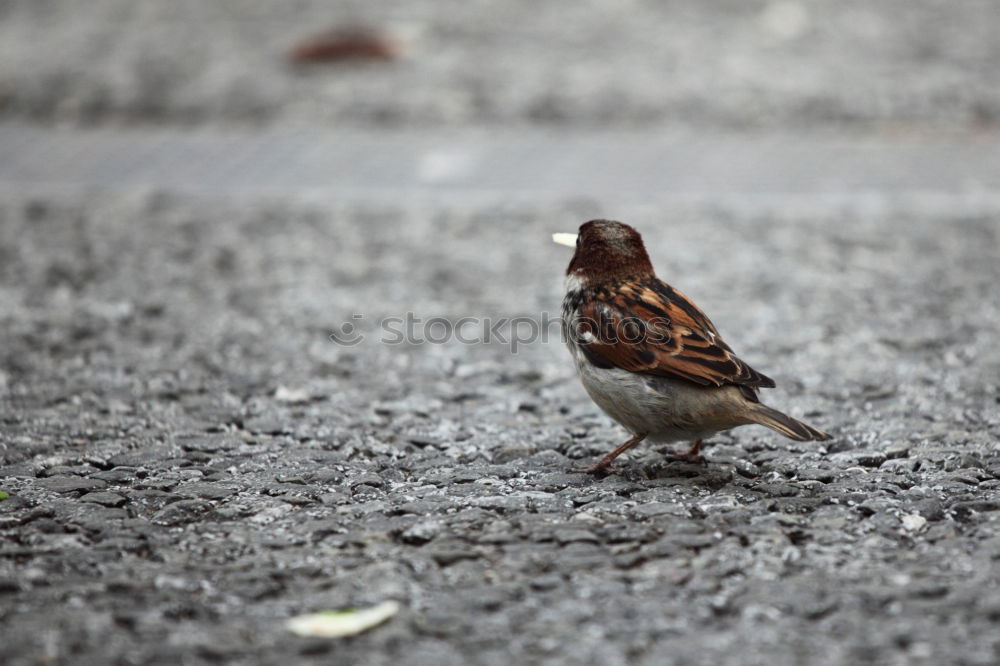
[{"x": 569, "y": 240}]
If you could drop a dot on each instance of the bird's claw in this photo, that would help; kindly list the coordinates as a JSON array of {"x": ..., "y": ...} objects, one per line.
[{"x": 693, "y": 458}]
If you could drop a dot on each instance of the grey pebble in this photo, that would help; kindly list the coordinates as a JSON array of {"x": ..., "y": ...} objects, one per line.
[
  {"x": 210, "y": 491},
  {"x": 858, "y": 459},
  {"x": 656, "y": 509},
  {"x": 181, "y": 512},
  {"x": 565, "y": 536},
  {"x": 104, "y": 498},
  {"x": 72, "y": 484},
  {"x": 422, "y": 532}
]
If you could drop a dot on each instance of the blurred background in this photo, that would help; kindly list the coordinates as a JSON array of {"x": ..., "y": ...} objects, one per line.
[
  {"x": 677, "y": 97},
  {"x": 923, "y": 66}
]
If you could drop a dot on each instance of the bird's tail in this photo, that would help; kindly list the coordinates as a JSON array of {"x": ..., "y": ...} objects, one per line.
[{"x": 786, "y": 425}]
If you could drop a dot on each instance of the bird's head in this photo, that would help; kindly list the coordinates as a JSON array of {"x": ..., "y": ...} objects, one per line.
[{"x": 605, "y": 250}]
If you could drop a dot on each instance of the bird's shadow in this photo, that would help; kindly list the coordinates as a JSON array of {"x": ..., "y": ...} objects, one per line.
[{"x": 710, "y": 476}]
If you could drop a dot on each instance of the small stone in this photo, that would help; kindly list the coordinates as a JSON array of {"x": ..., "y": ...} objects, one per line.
[
  {"x": 157, "y": 484},
  {"x": 719, "y": 503},
  {"x": 628, "y": 533},
  {"x": 104, "y": 499},
  {"x": 816, "y": 474},
  {"x": 746, "y": 469},
  {"x": 371, "y": 507},
  {"x": 297, "y": 500},
  {"x": 118, "y": 475},
  {"x": 267, "y": 424},
  {"x": 547, "y": 458},
  {"x": 151, "y": 497},
  {"x": 10, "y": 585},
  {"x": 210, "y": 491},
  {"x": 858, "y": 459},
  {"x": 373, "y": 480},
  {"x": 556, "y": 481},
  {"x": 72, "y": 484},
  {"x": 967, "y": 477},
  {"x": 900, "y": 465},
  {"x": 99, "y": 519},
  {"x": 422, "y": 532},
  {"x": 145, "y": 457},
  {"x": 897, "y": 450},
  {"x": 334, "y": 498},
  {"x": 655, "y": 509},
  {"x": 960, "y": 461},
  {"x": 930, "y": 508},
  {"x": 178, "y": 513},
  {"x": 546, "y": 582},
  {"x": 211, "y": 443},
  {"x": 779, "y": 489},
  {"x": 512, "y": 453},
  {"x": 965, "y": 508},
  {"x": 122, "y": 545},
  {"x": 449, "y": 555},
  {"x": 66, "y": 470},
  {"x": 913, "y": 522},
  {"x": 423, "y": 441},
  {"x": 877, "y": 505},
  {"x": 586, "y": 498},
  {"x": 565, "y": 536},
  {"x": 501, "y": 502},
  {"x": 794, "y": 505},
  {"x": 497, "y": 538},
  {"x": 503, "y": 471}
]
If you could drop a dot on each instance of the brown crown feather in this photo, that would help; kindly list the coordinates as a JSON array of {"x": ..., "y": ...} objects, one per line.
[{"x": 608, "y": 250}]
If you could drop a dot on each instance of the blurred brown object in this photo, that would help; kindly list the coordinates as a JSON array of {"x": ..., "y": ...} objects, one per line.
[{"x": 347, "y": 43}]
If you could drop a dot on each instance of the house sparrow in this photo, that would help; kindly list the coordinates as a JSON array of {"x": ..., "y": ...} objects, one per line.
[{"x": 648, "y": 356}]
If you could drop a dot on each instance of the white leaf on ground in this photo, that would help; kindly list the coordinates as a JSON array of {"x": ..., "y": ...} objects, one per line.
[
  {"x": 338, "y": 624},
  {"x": 291, "y": 396}
]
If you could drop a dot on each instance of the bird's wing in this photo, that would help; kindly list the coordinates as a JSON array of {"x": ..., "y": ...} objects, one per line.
[{"x": 648, "y": 327}]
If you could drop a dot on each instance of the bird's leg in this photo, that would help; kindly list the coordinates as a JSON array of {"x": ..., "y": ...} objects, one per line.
[
  {"x": 606, "y": 461},
  {"x": 691, "y": 455}
]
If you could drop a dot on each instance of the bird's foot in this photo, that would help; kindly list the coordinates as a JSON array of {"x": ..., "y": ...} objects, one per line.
[
  {"x": 692, "y": 455},
  {"x": 597, "y": 469},
  {"x": 604, "y": 463},
  {"x": 695, "y": 459}
]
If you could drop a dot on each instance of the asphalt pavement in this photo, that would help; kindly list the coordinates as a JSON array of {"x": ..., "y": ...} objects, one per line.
[{"x": 233, "y": 388}]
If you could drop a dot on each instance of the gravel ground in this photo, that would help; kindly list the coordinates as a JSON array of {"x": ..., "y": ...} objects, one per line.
[{"x": 192, "y": 460}]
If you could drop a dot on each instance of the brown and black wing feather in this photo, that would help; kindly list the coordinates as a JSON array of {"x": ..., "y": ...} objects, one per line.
[{"x": 646, "y": 326}]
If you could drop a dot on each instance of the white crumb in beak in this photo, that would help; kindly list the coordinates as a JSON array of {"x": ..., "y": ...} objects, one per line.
[{"x": 568, "y": 240}]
